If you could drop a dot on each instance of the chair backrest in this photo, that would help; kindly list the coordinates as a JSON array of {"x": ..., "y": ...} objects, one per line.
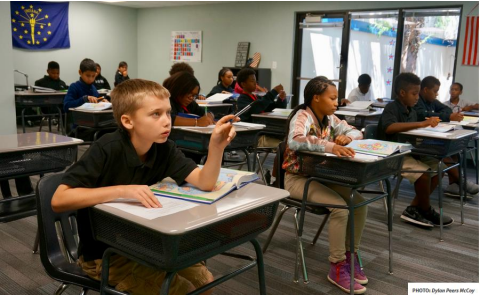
[
  {"x": 53, "y": 260},
  {"x": 370, "y": 131},
  {"x": 279, "y": 160}
]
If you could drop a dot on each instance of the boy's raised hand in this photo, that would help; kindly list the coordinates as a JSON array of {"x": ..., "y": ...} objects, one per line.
[
  {"x": 342, "y": 140},
  {"x": 141, "y": 193},
  {"x": 278, "y": 88},
  {"x": 224, "y": 132}
]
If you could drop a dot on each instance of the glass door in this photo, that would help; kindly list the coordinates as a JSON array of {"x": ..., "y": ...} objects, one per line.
[
  {"x": 319, "y": 50},
  {"x": 429, "y": 45},
  {"x": 371, "y": 50}
]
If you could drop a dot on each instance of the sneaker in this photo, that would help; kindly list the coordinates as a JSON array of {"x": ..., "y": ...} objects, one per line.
[
  {"x": 452, "y": 190},
  {"x": 434, "y": 217},
  {"x": 412, "y": 214},
  {"x": 358, "y": 275},
  {"x": 472, "y": 188},
  {"x": 339, "y": 275}
]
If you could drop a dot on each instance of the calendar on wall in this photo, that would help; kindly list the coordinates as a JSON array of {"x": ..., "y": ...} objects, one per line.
[{"x": 186, "y": 46}]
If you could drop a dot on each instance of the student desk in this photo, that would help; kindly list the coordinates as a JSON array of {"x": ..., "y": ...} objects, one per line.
[
  {"x": 96, "y": 121},
  {"x": 362, "y": 115},
  {"x": 29, "y": 154},
  {"x": 30, "y": 99},
  {"x": 439, "y": 146},
  {"x": 196, "y": 139},
  {"x": 354, "y": 173},
  {"x": 177, "y": 241},
  {"x": 274, "y": 122}
]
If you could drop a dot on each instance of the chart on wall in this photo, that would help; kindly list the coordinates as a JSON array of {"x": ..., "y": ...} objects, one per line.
[{"x": 186, "y": 46}]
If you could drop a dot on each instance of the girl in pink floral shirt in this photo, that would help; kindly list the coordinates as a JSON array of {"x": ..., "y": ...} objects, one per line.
[{"x": 314, "y": 127}]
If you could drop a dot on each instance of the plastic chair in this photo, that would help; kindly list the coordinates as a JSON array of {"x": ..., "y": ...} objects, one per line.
[
  {"x": 58, "y": 256},
  {"x": 297, "y": 205}
]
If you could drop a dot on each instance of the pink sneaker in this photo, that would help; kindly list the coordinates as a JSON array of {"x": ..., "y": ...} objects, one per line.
[
  {"x": 358, "y": 275},
  {"x": 339, "y": 275}
]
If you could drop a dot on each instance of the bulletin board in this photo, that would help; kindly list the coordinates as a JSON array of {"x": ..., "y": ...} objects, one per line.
[{"x": 186, "y": 46}]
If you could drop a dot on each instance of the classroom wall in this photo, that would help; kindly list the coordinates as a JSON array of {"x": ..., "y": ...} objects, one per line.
[
  {"x": 269, "y": 29},
  {"x": 105, "y": 33},
  {"x": 7, "y": 99}
]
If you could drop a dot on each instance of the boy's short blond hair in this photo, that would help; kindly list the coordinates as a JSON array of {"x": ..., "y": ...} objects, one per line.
[{"x": 127, "y": 96}]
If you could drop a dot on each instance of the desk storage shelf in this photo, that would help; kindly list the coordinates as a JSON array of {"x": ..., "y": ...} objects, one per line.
[
  {"x": 37, "y": 161},
  {"x": 271, "y": 124},
  {"x": 173, "y": 252},
  {"x": 199, "y": 141},
  {"x": 93, "y": 120},
  {"x": 434, "y": 146},
  {"x": 347, "y": 170}
]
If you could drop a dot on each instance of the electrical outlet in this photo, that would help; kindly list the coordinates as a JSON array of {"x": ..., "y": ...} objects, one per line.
[{"x": 274, "y": 64}]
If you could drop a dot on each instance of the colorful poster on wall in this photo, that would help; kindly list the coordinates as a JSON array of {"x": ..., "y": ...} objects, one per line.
[{"x": 186, "y": 46}]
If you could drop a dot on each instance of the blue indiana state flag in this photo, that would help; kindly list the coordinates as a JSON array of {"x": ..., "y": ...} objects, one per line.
[{"x": 40, "y": 25}]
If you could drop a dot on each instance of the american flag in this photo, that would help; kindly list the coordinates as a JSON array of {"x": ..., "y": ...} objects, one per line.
[{"x": 470, "y": 46}]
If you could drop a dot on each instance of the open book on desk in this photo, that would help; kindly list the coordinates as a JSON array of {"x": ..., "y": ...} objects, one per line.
[
  {"x": 466, "y": 120},
  {"x": 228, "y": 181},
  {"x": 378, "y": 148},
  {"x": 89, "y": 106}
]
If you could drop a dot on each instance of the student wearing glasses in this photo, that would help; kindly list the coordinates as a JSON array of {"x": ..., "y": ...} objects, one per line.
[{"x": 184, "y": 89}]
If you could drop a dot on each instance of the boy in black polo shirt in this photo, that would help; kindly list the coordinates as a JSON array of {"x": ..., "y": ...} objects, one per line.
[
  {"x": 428, "y": 106},
  {"x": 52, "y": 81},
  {"x": 397, "y": 117},
  {"x": 122, "y": 165}
]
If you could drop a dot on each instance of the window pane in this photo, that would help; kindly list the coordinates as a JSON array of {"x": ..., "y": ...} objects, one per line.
[
  {"x": 371, "y": 50},
  {"x": 429, "y": 48},
  {"x": 321, "y": 49}
]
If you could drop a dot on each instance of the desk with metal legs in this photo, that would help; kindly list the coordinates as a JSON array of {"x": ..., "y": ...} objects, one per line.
[
  {"x": 440, "y": 146},
  {"x": 177, "y": 241},
  {"x": 30, "y": 99}
]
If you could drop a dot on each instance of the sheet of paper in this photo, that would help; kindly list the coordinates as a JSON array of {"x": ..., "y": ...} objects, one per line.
[
  {"x": 247, "y": 124},
  {"x": 219, "y": 98},
  {"x": 346, "y": 113},
  {"x": 169, "y": 206}
]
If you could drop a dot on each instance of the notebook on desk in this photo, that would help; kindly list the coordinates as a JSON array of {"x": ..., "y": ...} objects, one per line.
[
  {"x": 228, "y": 181},
  {"x": 44, "y": 89},
  {"x": 378, "y": 148}
]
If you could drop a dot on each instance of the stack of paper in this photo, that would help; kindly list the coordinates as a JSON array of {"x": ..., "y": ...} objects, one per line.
[
  {"x": 43, "y": 89},
  {"x": 359, "y": 106}
]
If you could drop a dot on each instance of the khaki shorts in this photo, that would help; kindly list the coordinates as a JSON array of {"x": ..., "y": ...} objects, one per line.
[
  {"x": 133, "y": 278},
  {"x": 267, "y": 141},
  {"x": 424, "y": 163}
]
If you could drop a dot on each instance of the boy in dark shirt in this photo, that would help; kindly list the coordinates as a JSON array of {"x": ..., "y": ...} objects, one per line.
[
  {"x": 123, "y": 164},
  {"x": 52, "y": 81},
  {"x": 428, "y": 106},
  {"x": 100, "y": 81},
  {"x": 398, "y": 116},
  {"x": 248, "y": 82},
  {"x": 122, "y": 73}
]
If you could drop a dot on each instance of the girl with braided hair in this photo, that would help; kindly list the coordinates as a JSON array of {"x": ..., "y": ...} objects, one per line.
[{"x": 312, "y": 126}]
